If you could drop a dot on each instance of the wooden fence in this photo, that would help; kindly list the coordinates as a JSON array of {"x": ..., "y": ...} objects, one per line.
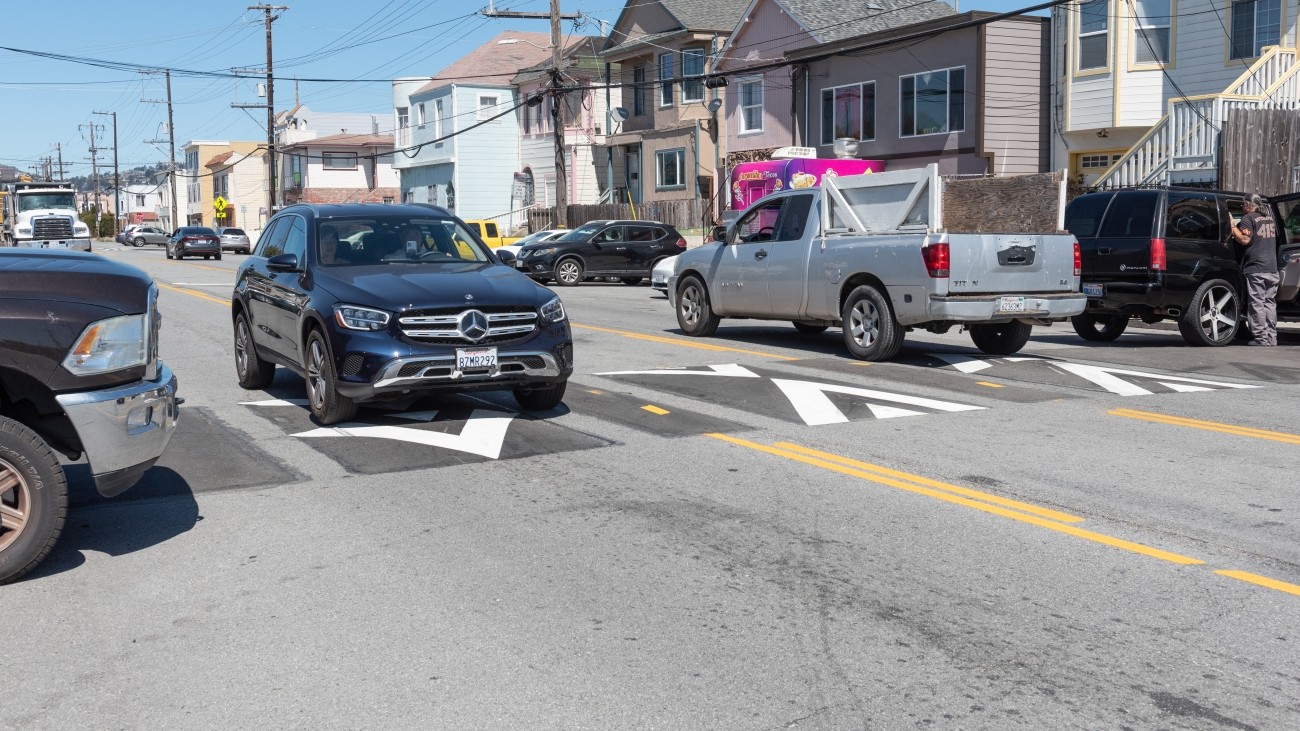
[
  {"x": 1261, "y": 148},
  {"x": 680, "y": 214}
]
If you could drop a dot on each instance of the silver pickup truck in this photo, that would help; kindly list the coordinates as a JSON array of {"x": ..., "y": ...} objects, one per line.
[{"x": 870, "y": 254}]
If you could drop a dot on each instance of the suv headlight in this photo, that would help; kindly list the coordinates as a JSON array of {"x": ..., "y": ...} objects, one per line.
[
  {"x": 360, "y": 318},
  {"x": 553, "y": 311},
  {"x": 110, "y": 345},
  {"x": 544, "y": 252}
]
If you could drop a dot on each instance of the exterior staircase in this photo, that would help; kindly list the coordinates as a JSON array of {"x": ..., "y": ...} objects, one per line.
[{"x": 1183, "y": 146}]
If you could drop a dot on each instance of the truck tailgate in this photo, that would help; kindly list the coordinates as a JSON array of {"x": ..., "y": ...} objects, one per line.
[{"x": 1011, "y": 263}]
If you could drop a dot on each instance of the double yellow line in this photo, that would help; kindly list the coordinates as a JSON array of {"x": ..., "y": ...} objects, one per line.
[
  {"x": 984, "y": 502},
  {"x": 1241, "y": 431},
  {"x": 193, "y": 293}
]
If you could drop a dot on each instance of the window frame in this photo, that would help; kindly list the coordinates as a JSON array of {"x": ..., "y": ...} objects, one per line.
[
  {"x": 1256, "y": 44},
  {"x": 741, "y": 123},
  {"x": 1079, "y": 34},
  {"x": 327, "y": 156},
  {"x": 693, "y": 80},
  {"x": 664, "y": 63},
  {"x": 1156, "y": 23},
  {"x": 679, "y": 157},
  {"x": 948, "y": 96},
  {"x": 421, "y": 116},
  {"x": 638, "y": 90},
  {"x": 862, "y": 111},
  {"x": 481, "y": 112}
]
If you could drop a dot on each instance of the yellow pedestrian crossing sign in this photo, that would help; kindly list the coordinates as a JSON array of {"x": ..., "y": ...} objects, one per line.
[{"x": 220, "y": 203}]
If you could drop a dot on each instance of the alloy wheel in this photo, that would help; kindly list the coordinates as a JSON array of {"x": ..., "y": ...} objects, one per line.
[
  {"x": 864, "y": 323},
  {"x": 241, "y": 347},
  {"x": 1218, "y": 312},
  {"x": 568, "y": 272},
  {"x": 316, "y": 375},
  {"x": 691, "y": 303},
  {"x": 15, "y": 504}
]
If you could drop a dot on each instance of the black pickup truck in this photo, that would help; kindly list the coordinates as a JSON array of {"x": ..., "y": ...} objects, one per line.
[{"x": 79, "y": 375}]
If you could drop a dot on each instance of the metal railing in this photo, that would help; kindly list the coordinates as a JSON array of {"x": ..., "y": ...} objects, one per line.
[{"x": 1187, "y": 137}]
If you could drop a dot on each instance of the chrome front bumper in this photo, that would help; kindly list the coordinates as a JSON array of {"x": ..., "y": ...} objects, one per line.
[
  {"x": 426, "y": 370},
  {"x": 73, "y": 244},
  {"x": 124, "y": 430}
]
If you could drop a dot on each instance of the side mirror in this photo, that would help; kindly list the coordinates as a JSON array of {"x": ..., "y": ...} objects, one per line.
[
  {"x": 506, "y": 256},
  {"x": 719, "y": 233},
  {"x": 283, "y": 263}
]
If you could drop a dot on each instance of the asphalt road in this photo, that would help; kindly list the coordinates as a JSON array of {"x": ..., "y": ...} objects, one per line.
[{"x": 750, "y": 531}]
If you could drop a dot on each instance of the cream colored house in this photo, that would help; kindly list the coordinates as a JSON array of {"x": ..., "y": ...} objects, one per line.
[{"x": 234, "y": 171}]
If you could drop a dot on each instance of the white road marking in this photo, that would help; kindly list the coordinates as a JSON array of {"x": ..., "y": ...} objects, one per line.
[
  {"x": 484, "y": 433},
  {"x": 1184, "y": 387},
  {"x": 1108, "y": 378},
  {"x": 963, "y": 363},
  {"x": 730, "y": 369},
  {"x": 815, "y": 408},
  {"x": 276, "y": 402}
]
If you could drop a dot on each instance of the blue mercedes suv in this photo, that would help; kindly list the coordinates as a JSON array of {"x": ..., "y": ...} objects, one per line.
[{"x": 376, "y": 301}]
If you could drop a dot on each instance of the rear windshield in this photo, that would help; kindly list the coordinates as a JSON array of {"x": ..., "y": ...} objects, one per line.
[
  {"x": 198, "y": 231},
  {"x": 233, "y": 232},
  {"x": 1132, "y": 215},
  {"x": 1083, "y": 215}
]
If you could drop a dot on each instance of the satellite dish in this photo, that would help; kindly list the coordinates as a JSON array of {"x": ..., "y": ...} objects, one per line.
[{"x": 619, "y": 114}]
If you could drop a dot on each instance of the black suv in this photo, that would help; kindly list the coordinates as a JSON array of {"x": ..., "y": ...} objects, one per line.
[
  {"x": 1165, "y": 253},
  {"x": 369, "y": 301},
  {"x": 624, "y": 249}
]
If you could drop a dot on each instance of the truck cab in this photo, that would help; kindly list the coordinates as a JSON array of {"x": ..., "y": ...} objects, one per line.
[
  {"x": 490, "y": 233},
  {"x": 43, "y": 215}
]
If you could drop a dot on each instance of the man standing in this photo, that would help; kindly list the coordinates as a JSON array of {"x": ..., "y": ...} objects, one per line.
[{"x": 1257, "y": 232}]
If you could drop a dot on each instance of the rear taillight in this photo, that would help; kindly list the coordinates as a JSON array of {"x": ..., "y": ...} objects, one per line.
[
  {"x": 1078, "y": 260},
  {"x": 936, "y": 260},
  {"x": 681, "y": 243},
  {"x": 1157, "y": 255}
]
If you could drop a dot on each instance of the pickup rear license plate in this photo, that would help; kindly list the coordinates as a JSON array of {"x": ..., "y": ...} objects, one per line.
[
  {"x": 475, "y": 359},
  {"x": 1094, "y": 290},
  {"x": 1011, "y": 304}
]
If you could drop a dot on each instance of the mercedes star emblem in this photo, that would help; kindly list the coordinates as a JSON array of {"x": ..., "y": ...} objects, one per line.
[{"x": 473, "y": 325}]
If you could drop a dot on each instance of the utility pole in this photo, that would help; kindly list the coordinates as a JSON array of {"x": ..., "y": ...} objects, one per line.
[
  {"x": 94, "y": 172},
  {"x": 171, "y": 147},
  {"x": 557, "y": 98},
  {"x": 270, "y": 104},
  {"x": 117, "y": 178},
  {"x": 59, "y": 146}
]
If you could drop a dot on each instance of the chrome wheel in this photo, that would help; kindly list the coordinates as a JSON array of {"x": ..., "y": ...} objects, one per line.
[
  {"x": 316, "y": 375},
  {"x": 15, "y": 504},
  {"x": 1217, "y": 313},
  {"x": 864, "y": 323},
  {"x": 568, "y": 273},
  {"x": 691, "y": 304}
]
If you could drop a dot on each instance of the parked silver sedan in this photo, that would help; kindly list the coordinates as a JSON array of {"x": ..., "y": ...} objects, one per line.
[
  {"x": 234, "y": 239},
  {"x": 142, "y": 235}
]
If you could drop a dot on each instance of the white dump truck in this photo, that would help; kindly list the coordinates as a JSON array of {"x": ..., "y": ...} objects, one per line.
[{"x": 43, "y": 215}]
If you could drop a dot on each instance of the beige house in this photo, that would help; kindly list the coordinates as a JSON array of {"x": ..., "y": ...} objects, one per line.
[
  {"x": 233, "y": 171},
  {"x": 667, "y": 137}
]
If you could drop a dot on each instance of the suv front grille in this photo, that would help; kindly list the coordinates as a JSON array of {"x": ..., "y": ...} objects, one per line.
[
  {"x": 443, "y": 326},
  {"x": 52, "y": 227}
]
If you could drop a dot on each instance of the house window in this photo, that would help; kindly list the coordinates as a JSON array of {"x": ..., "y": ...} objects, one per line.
[
  {"x": 139, "y": 201},
  {"x": 670, "y": 167},
  {"x": 420, "y": 119},
  {"x": 1094, "y": 35},
  {"x": 751, "y": 106},
  {"x": 1151, "y": 34},
  {"x": 339, "y": 160},
  {"x": 1093, "y": 162},
  {"x": 486, "y": 106},
  {"x": 638, "y": 90},
  {"x": 1255, "y": 24},
  {"x": 692, "y": 69},
  {"x": 528, "y": 120},
  {"x": 932, "y": 103},
  {"x": 849, "y": 111},
  {"x": 388, "y": 200},
  {"x": 440, "y": 120},
  {"x": 665, "y": 79},
  {"x": 403, "y": 117}
]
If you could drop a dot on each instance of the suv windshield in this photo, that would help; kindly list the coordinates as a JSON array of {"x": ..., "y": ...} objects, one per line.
[
  {"x": 394, "y": 240},
  {"x": 35, "y": 202},
  {"x": 580, "y": 233}
]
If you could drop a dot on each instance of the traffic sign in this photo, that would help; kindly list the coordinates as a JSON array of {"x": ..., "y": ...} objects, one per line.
[{"x": 220, "y": 203}]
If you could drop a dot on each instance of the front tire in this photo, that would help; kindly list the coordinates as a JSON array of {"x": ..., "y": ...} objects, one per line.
[
  {"x": 216, "y": 258},
  {"x": 631, "y": 281},
  {"x": 138, "y": 242},
  {"x": 324, "y": 400},
  {"x": 1002, "y": 338},
  {"x": 1099, "y": 328},
  {"x": 33, "y": 499},
  {"x": 1213, "y": 317},
  {"x": 541, "y": 398},
  {"x": 870, "y": 330},
  {"x": 695, "y": 314},
  {"x": 254, "y": 373},
  {"x": 568, "y": 272}
]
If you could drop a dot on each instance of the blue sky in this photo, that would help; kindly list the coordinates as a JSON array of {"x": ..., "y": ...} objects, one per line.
[{"x": 49, "y": 101}]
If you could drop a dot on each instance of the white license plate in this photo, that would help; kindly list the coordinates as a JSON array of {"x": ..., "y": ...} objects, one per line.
[
  {"x": 475, "y": 359},
  {"x": 1094, "y": 290},
  {"x": 58, "y": 245},
  {"x": 1011, "y": 304}
]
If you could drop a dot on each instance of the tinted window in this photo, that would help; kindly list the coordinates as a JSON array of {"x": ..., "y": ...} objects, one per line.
[
  {"x": 613, "y": 233},
  {"x": 492, "y": 230},
  {"x": 1192, "y": 216},
  {"x": 580, "y": 234},
  {"x": 296, "y": 240},
  {"x": 1083, "y": 215},
  {"x": 640, "y": 233},
  {"x": 660, "y": 234},
  {"x": 391, "y": 240},
  {"x": 201, "y": 231},
  {"x": 1132, "y": 215},
  {"x": 794, "y": 218},
  {"x": 272, "y": 241},
  {"x": 233, "y": 232}
]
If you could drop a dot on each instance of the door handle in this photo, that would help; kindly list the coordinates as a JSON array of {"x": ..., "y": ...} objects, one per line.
[{"x": 760, "y": 254}]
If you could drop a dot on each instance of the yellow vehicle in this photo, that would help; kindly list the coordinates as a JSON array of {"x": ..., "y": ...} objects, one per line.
[{"x": 490, "y": 233}]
